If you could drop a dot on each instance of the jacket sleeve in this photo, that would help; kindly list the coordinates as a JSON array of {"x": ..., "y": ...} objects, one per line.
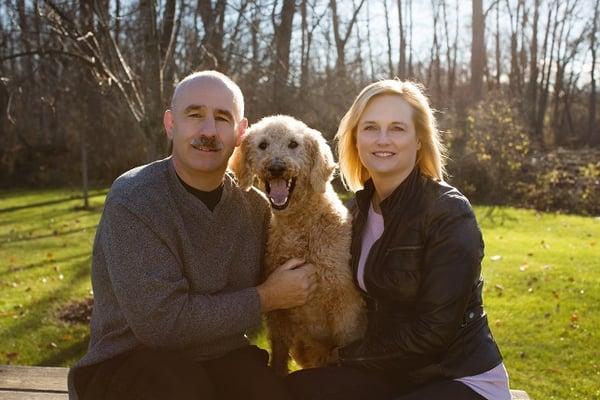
[
  {"x": 451, "y": 266},
  {"x": 154, "y": 295}
]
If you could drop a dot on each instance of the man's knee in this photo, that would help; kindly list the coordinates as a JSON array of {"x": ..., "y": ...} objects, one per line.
[{"x": 159, "y": 375}]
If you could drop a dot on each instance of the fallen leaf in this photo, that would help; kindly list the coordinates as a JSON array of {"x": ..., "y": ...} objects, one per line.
[
  {"x": 496, "y": 258},
  {"x": 49, "y": 255},
  {"x": 52, "y": 345},
  {"x": 574, "y": 317},
  {"x": 523, "y": 267}
]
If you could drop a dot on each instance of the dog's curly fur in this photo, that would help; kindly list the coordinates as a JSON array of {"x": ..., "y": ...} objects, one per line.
[{"x": 314, "y": 226}]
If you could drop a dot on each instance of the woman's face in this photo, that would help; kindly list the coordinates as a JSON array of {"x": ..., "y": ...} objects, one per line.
[{"x": 386, "y": 139}]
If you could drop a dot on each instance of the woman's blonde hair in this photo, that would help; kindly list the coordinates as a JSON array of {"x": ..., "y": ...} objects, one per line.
[{"x": 431, "y": 155}]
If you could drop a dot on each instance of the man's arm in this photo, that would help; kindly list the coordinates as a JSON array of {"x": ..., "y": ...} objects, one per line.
[
  {"x": 153, "y": 293},
  {"x": 155, "y": 298}
]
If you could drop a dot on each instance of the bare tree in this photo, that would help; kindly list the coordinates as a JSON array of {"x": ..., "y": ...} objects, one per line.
[
  {"x": 389, "y": 39},
  {"x": 282, "y": 28},
  {"x": 532, "y": 86},
  {"x": 477, "y": 49},
  {"x": 342, "y": 39},
  {"x": 592, "y": 127},
  {"x": 402, "y": 55}
]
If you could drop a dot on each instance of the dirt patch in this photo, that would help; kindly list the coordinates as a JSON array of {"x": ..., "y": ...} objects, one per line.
[{"x": 77, "y": 312}]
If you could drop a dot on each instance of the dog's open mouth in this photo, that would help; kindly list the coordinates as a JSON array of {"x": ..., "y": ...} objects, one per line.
[{"x": 279, "y": 191}]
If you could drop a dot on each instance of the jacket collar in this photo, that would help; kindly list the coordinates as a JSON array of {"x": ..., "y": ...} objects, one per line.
[{"x": 400, "y": 199}]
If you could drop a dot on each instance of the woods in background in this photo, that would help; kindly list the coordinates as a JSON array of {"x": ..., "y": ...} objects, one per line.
[{"x": 84, "y": 83}]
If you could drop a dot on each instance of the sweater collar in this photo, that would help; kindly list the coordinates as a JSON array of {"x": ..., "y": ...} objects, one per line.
[{"x": 190, "y": 199}]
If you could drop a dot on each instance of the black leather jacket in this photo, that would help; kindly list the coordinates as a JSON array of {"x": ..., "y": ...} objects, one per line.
[{"x": 426, "y": 317}]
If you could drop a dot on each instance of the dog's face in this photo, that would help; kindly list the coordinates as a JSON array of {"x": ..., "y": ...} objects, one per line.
[{"x": 289, "y": 159}]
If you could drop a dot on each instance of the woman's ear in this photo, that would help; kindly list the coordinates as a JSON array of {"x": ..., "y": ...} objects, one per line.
[
  {"x": 240, "y": 166},
  {"x": 323, "y": 164}
]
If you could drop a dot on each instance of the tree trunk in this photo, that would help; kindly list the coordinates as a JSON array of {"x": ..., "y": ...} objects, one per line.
[
  {"x": 477, "y": 50},
  {"x": 593, "y": 138},
  {"x": 389, "y": 40},
  {"x": 532, "y": 86},
  {"x": 281, "y": 62},
  {"x": 402, "y": 55},
  {"x": 153, "y": 98}
]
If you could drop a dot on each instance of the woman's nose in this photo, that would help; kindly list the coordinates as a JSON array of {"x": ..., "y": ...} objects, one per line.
[{"x": 382, "y": 137}]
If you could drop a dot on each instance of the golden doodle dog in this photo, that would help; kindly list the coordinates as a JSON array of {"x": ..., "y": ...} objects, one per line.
[{"x": 293, "y": 166}]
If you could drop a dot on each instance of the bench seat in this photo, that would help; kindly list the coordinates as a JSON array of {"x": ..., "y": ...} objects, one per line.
[{"x": 50, "y": 383}]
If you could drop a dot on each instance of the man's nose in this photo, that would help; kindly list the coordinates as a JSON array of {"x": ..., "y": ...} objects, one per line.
[{"x": 209, "y": 126}]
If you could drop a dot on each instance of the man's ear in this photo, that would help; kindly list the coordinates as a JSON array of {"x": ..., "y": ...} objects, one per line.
[
  {"x": 241, "y": 131},
  {"x": 323, "y": 164},
  {"x": 240, "y": 166},
  {"x": 168, "y": 123}
]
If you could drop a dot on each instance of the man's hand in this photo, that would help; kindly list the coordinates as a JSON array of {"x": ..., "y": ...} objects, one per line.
[{"x": 290, "y": 285}]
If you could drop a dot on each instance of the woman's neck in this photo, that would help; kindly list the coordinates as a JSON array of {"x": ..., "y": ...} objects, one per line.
[{"x": 384, "y": 186}]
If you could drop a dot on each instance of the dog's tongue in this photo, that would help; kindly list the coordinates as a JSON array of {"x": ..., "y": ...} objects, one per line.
[{"x": 279, "y": 191}]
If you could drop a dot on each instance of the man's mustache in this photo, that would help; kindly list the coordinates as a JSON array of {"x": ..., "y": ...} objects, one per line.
[{"x": 211, "y": 143}]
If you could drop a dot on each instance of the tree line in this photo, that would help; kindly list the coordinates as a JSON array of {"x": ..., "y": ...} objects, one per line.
[{"x": 85, "y": 83}]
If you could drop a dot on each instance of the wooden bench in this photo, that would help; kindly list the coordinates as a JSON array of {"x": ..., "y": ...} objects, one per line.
[
  {"x": 50, "y": 383},
  {"x": 35, "y": 383}
]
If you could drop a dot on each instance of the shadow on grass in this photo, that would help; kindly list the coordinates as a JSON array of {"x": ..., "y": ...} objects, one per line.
[
  {"x": 42, "y": 313},
  {"x": 73, "y": 352},
  {"x": 51, "y": 202},
  {"x": 43, "y": 216},
  {"x": 55, "y": 233},
  {"x": 45, "y": 262}
]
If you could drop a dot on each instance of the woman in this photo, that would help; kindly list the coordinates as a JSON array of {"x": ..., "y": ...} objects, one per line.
[{"x": 416, "y": 251}]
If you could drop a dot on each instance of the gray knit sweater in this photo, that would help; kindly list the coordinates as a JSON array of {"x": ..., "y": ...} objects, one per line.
[{"x": 169, "y": 273}]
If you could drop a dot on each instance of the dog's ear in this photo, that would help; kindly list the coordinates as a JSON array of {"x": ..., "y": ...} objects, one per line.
[
  {"x": 323, "y": 164},
  {"x": 240, "y": 166}
]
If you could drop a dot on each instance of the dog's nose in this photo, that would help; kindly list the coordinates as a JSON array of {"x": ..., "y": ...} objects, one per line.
[{"x": 277, "y": 167}]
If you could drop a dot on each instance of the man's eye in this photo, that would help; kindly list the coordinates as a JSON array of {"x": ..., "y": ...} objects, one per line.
[
  {"x": 263, "y": 145},
  {"x": 194, "y": 115},
  {"x": 293, "y": 144},
  {"x": 222, "y": 118}
]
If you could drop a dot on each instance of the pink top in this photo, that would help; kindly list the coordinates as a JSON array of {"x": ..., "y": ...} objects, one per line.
[{"x": 371, "y": 232}]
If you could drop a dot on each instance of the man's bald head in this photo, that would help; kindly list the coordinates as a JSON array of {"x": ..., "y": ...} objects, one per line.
[{"x": 217, "y": 77}]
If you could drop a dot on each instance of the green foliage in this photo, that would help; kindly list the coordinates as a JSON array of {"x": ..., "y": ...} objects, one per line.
[
  {"x": 488, "y": 158},
  {"x": 542, "y": 289}
]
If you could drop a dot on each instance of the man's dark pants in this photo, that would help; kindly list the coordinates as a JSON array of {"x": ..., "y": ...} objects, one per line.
[{"x": 158, "y": 375}]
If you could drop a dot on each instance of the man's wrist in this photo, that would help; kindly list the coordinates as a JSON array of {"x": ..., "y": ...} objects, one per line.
[{"x": 265, "y": 305}]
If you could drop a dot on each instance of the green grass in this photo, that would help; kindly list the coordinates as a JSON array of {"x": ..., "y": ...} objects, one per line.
[{"x": 542, "y": 292}]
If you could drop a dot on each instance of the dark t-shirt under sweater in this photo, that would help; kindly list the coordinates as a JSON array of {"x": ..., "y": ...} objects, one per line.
[{"x": 168, "y": 273}]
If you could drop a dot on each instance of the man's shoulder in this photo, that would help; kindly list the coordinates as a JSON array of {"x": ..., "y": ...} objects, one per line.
[
  {"x": 140, "y": 183},
  {"x": 253, "y": 199}
]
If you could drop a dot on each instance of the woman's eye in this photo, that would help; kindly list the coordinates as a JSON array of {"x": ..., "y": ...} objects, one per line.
[
  {"x": 369, "y": 128},
  {"x": 263, "y": 145},
  {"x": 397, "y": 128},
  {"x": 293, "y": 144}
]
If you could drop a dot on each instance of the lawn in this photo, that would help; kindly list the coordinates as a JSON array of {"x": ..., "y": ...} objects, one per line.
[{"x": 542, "y": 290}]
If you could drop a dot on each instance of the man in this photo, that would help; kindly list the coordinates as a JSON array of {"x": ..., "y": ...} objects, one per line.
[{"x": 176, "y": 267}]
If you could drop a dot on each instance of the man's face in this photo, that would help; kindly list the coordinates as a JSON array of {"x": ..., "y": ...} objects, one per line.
[{"x": 204, "y": 128}]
